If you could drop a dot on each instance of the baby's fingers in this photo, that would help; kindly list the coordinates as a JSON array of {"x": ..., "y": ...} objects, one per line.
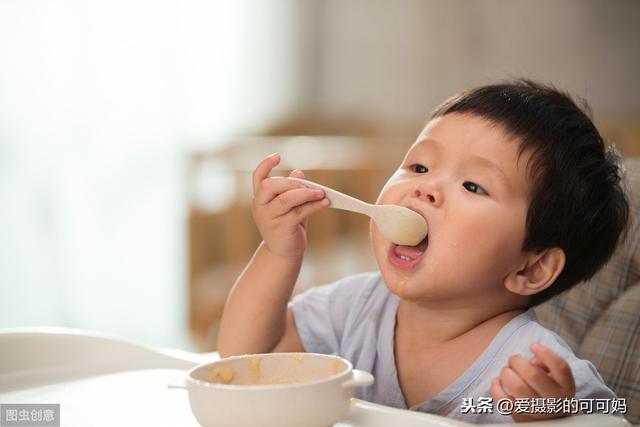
[
  {"x": 515, "y": 385},
  {"x": 497, "y": 391},
  {"x": 270, "y": 188},
  {"x": 262, "y": 171},
  {"x": 537, "y": 362},
  {"x": 297, "y": 173},
  {"x": 291, "y": 199},
  {"x": 535, "y": 377},
  {"x": 301, "y": 212},
  {"x": 559, "y": 369}
]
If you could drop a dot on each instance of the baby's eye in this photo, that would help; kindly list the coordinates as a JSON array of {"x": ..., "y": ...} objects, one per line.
[
  {"x": 418, "y": 168},
  {"x": 474, "y": 188}
]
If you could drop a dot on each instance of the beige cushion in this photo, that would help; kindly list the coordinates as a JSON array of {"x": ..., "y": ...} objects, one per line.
[{"x": 600, "y": 319}]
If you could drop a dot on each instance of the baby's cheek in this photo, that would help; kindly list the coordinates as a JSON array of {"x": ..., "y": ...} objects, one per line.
[
  {"x": 377, "y": 244},
  {"x": 391, "y": 187},
  {"x": 374, "y": 234},
  {"x": 381, "y": 200}
]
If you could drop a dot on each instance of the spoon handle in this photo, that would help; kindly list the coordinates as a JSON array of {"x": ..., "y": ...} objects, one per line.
[{"x": 339, "y": 200}]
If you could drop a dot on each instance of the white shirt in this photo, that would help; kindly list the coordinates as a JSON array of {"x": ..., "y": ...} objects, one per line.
[{"x": 355, "y": 318}]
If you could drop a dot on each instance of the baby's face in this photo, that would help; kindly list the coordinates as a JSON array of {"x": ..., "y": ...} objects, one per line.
[{"x": 464, "y": 177}]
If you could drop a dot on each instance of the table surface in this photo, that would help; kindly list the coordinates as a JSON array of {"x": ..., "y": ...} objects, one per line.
[
  {"x": 141, "y": 397},
  {"x": 104, "y": 381}
]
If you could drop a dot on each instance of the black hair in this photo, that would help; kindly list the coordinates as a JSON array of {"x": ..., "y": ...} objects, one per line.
[{"x": 578, "y": 203}]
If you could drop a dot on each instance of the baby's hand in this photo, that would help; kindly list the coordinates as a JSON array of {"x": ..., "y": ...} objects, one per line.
[
  {"x": 281, "y": 208},
  {"x": 546, "y": 375}
]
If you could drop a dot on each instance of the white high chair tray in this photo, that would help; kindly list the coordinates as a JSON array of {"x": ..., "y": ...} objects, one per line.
[{"x": 101, "y": 381}]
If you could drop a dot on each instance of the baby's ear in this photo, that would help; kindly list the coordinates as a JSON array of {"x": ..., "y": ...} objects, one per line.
[{"x": 537, "y": 272}]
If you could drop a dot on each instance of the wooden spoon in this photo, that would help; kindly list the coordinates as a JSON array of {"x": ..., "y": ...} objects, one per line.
[{"x": 396, "y": 223}]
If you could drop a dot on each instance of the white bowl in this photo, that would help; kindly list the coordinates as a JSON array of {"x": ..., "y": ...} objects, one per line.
[{"x": 275, "y": 389}]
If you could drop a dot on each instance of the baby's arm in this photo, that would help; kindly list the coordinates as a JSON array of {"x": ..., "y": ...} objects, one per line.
[
  {"x": 256, "y": 318},
  {"x": 547, "y": 375}
]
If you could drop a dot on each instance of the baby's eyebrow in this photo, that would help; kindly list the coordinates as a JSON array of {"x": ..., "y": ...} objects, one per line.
[
  {"x": 425, "y": 143},
  {"x": 483, "y": 161},
  {"x": 488, "y": 164}
]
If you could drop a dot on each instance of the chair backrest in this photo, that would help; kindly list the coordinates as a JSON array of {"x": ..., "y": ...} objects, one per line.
[{"x": 600, "y": 319}]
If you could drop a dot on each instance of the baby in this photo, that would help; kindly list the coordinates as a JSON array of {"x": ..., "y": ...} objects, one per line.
[{"x": 522, "y": 200}]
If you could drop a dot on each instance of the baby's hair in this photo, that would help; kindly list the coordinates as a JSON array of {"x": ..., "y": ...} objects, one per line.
[{"x": 578, "y": 203}]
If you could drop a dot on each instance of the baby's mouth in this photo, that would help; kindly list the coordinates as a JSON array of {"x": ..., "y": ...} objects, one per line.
[{"x": 406, "y": 257}]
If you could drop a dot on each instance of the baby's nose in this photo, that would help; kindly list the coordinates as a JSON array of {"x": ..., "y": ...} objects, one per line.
[
  {"x": 429, "y": 194},
  {"x": 418, "y": 194}
]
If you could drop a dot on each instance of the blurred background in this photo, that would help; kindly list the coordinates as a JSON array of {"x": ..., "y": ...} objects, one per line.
[{"x": 129, "y": 129}]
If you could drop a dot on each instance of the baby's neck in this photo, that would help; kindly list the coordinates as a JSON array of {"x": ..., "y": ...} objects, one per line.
[{"x": 433, "y": 326}]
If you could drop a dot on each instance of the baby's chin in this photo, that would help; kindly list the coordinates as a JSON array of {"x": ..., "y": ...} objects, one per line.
[
  {"x": 398, "y": 286},
  {"x": 398, "y": 282}
]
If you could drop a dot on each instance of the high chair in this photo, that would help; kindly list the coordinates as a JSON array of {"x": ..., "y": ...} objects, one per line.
[{"x": 100, "y": 380}]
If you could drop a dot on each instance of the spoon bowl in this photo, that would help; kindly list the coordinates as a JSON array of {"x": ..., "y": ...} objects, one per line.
[
  {"x": 396, "y": 223},
  {"x": 399, "y": 224}
]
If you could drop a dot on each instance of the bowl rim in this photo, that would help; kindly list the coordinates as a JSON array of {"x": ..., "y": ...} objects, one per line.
[{"x": 211, "y": 385}]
